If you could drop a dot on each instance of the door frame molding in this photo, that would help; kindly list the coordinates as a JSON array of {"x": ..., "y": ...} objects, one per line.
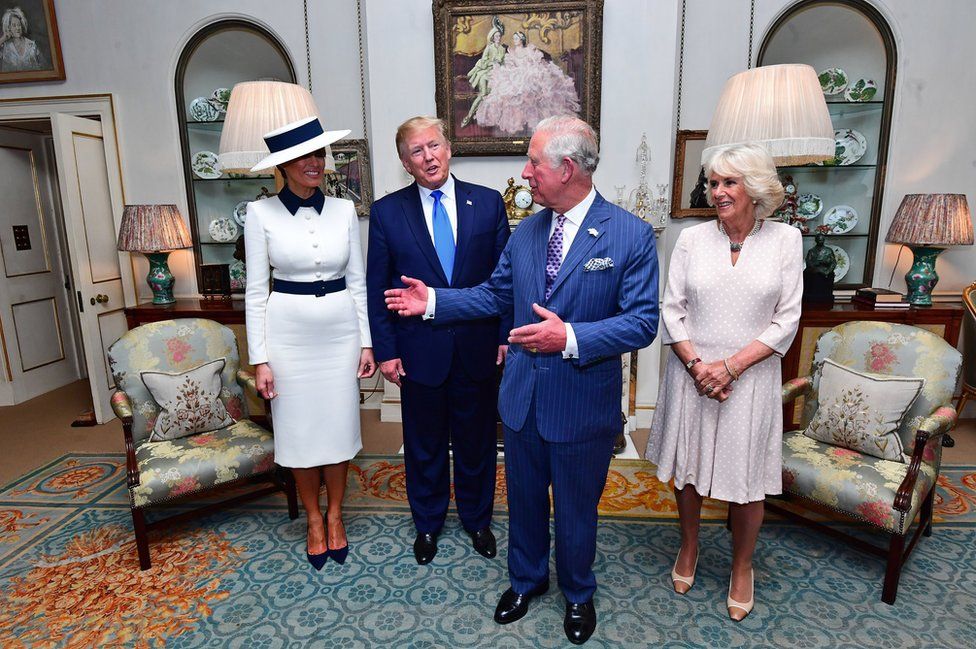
[{"x": 101, "y": 105}]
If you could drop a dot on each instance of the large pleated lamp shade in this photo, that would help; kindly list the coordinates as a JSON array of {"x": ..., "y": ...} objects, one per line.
[
  {"x": 256, "y": 108},
  {"x": 781, "y": 107},
  {"x": 155, "y": 230}
]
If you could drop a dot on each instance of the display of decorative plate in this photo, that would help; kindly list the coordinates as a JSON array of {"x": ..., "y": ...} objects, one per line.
[
  {"x": 843, "y": 262},
  {"x": 809, "y": 206},
  {"x": 205, "y": 165},
  {"x": 201, "y": 110},
  {"x": 219, "y": 99},
  {"x": 833, "y": 81},
  {"x": 861, "y": 90},
  {"x": 849, "y": 147},
  {"x": 238, "y": 275},
  {"x": 841, "y": 219},
  {"x": 223, "y": 230},
  {"x": 240, "y": 212}
]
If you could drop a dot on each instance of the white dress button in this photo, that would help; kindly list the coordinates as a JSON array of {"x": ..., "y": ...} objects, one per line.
[
  {"x": 308, "y": 217},
  {"x": 318, "y": 262},
  {"x": 315, "y": 245},
  {"x": 318, "y": 274}
]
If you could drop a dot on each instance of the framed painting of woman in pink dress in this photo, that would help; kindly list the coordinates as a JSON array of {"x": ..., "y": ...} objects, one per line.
[
  {"x": 30, "y": 49},
  {"x": 501, "y": 67}
]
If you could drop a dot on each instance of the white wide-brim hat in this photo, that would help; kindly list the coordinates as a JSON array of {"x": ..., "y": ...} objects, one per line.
[{"x": 295, "y": 140}]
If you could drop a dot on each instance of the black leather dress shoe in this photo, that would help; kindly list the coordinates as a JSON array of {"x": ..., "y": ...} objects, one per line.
[
  {"x": 580, "y": 621},
  {"x": 484, "y": 542},
  {"x": 425, "y": 547},
  {"x": 513, "y": 606}
]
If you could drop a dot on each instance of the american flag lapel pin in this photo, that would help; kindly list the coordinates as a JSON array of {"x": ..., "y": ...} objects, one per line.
[{"x": 469, "y": 202}]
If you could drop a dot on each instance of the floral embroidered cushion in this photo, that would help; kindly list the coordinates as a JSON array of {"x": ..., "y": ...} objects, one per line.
[
  {"x": 189, "y": 402},
  {"x": 862, "y": 411}
]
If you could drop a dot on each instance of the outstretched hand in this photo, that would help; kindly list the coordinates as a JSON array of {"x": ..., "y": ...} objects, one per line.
[
  {"x": 546, "y": 336},
  {"x": 409, "y": 301}
]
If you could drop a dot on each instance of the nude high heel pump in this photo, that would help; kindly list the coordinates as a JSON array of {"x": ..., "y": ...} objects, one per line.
[
  {"x": 685, "y": 582},
  {"x": 739, "y": 610}
]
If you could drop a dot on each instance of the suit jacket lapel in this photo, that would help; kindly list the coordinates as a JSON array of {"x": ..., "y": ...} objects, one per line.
[
  {"x": 465, "y": 224},
  {"x": 584, "y": 241},
  {"x": 413, "y": 213},
  {"x": 540, "y": 246}
]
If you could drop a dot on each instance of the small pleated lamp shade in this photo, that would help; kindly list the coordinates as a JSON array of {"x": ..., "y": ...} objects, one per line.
[
  {"x": 153, "y": 228},
  {"x": 781, "y": 107},
  {"x": 256, "y": 108},
  {"x": 934, "y": 220}
]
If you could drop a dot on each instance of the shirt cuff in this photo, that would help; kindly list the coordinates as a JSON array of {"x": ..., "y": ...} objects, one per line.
[
  {"x": 431, "y": 304},
  {"x": 572, "y": 349}
]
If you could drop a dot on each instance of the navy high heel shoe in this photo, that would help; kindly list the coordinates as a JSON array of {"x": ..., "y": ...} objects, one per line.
[
  {"x": 339, "y": 556},
  {"x": 318, "y": 560}
]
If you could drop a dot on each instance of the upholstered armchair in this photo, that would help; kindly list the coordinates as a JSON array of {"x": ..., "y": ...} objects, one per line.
[
  {"x": 163, "y": 467},
  {"x": 969, "y": 342},
  {"x": 887, "y": 495}
]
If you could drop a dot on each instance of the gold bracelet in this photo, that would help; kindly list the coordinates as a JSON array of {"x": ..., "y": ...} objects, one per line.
[{"x": 728, "y": 368}]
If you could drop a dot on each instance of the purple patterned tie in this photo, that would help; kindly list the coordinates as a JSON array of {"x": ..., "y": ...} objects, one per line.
[{"x": 554, "y": 254}]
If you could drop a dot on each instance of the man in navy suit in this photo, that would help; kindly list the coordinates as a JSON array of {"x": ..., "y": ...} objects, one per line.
[
  {"x": 450, "y": 234},
  {"x": 594, "y": 268}
]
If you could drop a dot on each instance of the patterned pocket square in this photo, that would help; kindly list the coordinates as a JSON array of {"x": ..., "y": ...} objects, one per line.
[{"x": 598, "y": 263}]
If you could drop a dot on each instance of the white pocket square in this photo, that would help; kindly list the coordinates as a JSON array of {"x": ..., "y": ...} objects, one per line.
[{"x": 598, "y": 263}]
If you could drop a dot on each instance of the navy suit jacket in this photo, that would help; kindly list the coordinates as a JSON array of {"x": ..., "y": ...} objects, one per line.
[
  {"x": 612, "y": 311},
  {"x": 400, "y": 244}
]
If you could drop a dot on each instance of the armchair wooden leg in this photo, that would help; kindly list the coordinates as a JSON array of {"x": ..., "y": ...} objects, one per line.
[
  {"x": 925, "y": 519},
  {"x": 893, "y": 572},
  {"x": 142, "y": 538},
  {"x": 728, "y": 517},
  {"x": 291, "y": 492}
]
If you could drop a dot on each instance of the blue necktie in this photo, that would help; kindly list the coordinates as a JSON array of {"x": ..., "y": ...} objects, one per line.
[{"x": 443, "y": 235}]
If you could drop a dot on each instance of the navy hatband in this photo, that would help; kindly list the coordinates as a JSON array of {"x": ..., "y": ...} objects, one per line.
[{"x": 294, "y": 137}]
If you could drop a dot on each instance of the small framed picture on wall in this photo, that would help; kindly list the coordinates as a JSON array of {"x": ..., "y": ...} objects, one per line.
[
  {"x": 353, "y": 179},
  {"x": 690, "y": 195},
  {"x": 30, "y": 49}
]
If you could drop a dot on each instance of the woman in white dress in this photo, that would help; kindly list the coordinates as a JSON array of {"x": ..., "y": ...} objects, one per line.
[
  {"x": 526, "y": 89},
  {"x": 730, "y": 310},
  {"x": 308, "y": 339},
  {"x": 17, "y": 52}
]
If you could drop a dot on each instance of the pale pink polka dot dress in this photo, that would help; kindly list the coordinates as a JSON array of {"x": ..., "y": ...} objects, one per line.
[{"x": 732, "y": 450}]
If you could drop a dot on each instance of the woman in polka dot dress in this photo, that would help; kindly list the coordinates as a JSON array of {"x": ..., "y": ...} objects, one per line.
[{"x": 730, "y": 309}]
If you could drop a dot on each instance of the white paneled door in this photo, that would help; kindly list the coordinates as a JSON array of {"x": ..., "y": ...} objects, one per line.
[
  {"x": 36, "y": 340},
  {"x": 91, "y": 193}
]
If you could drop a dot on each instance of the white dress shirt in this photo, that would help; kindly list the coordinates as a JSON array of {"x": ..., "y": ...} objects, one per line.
[{"x": 574, "y": 219}]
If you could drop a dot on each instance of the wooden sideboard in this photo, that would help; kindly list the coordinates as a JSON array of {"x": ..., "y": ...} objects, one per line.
[{"x": 943, "y": 319}]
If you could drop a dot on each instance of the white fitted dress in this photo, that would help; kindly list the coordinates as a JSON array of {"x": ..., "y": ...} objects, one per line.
[
  {"x": 731, "y": 450},
  {"x": 312, "y": 344}
]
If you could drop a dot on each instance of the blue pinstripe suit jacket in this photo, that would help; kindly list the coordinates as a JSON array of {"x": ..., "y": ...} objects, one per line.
[{"x": 612, "y": 311}]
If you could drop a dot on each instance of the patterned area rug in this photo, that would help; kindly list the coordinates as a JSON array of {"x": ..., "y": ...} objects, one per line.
[{"x": 69, "y": 575}]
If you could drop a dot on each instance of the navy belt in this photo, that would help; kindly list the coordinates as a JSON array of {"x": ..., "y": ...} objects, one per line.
[{"x": 318, "y": 289}]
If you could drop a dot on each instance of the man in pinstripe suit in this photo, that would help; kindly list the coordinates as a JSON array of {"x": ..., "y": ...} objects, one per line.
[{"x": 582, "y": 278}]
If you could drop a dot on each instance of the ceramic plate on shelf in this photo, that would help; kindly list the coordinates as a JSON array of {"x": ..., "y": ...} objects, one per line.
[
  {"x": 238, "y": 275},
  {"x": 240, "y": 212},
  {"x": 809, "y": 206},
  {"x": 219, "y": 99},
  {"x": 849, "y": 146},
  {"x": 833, "y": 81},
  {"x": 205, "y": 165},
  {"x": 843, "y": 262},
  {"x": 861, "y": 90},
  {"x": 223, "y": 230},
  {"x": 201, "y": 110},
  {"x": 841, "y": 219}
]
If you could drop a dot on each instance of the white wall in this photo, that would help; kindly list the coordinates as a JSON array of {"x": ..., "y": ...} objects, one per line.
[{"x": 130, "y": 48}]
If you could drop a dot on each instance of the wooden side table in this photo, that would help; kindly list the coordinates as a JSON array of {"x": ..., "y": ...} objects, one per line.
[{"x": 942, "y": 319}]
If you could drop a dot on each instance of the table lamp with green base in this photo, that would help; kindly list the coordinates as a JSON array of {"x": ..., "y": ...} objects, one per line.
[
  {"x": 155, "y": 231},
  {"x": 927, "y": 224}
]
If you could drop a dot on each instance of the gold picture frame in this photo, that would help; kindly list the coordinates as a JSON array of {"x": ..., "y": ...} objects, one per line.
[
  {"x": 34, "y": 54},
  {"x": 688, "y": 197}
]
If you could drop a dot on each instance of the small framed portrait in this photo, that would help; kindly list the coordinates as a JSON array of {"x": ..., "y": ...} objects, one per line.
[
  {"x": 690, "y": 195},
  {"x": 352, "y": 179},
  {"x": 502, "y": 66},
  {"x": 30, "y": 49}
]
